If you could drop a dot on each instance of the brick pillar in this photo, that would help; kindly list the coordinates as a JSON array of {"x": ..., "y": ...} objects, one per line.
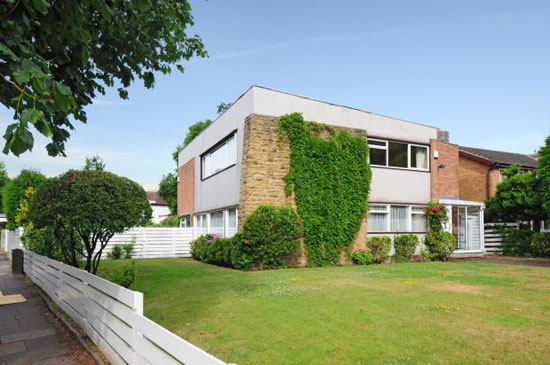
[{"x": 444, "y": 181}]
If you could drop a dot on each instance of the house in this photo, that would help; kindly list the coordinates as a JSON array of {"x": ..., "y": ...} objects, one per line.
[
  {"x": 480, "y": 170},
  {"x": 238, "y": 163},
  {"x": 159, "y": 206}
]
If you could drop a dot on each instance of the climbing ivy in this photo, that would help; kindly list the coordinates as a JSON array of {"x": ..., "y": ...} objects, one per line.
[{"x": 330, "y": 178}]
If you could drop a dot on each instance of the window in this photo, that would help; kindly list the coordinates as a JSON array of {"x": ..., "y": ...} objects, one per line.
[
  {"x": 419, "y": 157},
  {"x": 418, "y": 219},
  {"x": 398, "y": 154},
  {"x": 201, "y": 224},
  {"x": 219, "y": 158},
  {"x": 399, "y": 218},
  {"x": 396, "y": 218},
  {"x": 216, "y": 223},
  {"x": 185, "y": 221},
  {"x": 377, "y": 220},
  {"x": 231, "y": 222}
]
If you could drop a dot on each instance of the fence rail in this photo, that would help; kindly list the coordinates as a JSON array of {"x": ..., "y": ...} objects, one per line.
[
  {"x": 493, "y": 239},
  {"x": 111, "y": 315}
]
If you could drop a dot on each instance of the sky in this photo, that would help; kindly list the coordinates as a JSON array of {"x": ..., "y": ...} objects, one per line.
[{"x": 479, "y": 69}]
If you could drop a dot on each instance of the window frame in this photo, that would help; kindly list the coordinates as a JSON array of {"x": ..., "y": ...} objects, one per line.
[
  {"x": 387, "y": 211},
  {"x": 386, "y": 147},
  {"x": 213, "y": 149}
]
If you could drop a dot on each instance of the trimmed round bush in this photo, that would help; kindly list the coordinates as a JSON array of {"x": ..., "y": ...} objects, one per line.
[
  {"x": 271, "y": 235},
  {"x": 540, "y": 244},
  {"x": 380, "y": 248},
  {"x": 405, "y": 246},
  {"x": 362, "y": 257}
]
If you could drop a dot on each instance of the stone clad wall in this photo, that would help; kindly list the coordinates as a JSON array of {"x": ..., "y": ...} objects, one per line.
[
  {"x": 265, "y": 163},
  {"x": 186, "y": 189}
]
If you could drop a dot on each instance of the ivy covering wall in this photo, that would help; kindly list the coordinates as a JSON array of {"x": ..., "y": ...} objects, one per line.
[{"x": 330, "y": 178}]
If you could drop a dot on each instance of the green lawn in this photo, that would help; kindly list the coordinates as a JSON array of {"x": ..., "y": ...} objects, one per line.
[{"x": 397, "y": 313}]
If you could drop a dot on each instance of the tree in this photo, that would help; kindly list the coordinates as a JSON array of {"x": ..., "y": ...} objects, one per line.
[
  {"x": 168, "y": 190},
  {"x": 94, "y": 163},
  {"x": 14, "y": 193},
  {"x": 222, "y": 107},
  {"x": 544, "y": 176},
  {"x": 192, "y": 133},
  {"x": 57, "y": 55},
  {"x": 517, "y": 198},
  {"x": 4, "y": 178},
  {"x": 85, "y": 209}
]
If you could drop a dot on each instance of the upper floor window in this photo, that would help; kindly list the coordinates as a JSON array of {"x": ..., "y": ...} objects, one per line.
[
  {"x": 398, "y": 154},
  {"x": 219, "y": 157}
]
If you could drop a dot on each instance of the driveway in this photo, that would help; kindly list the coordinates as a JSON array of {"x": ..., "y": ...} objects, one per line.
[
  {"x": 29, "y": 332},
  {"x": 510, "y": 260}
]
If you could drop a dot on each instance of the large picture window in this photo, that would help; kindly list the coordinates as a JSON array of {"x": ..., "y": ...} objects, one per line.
[
  {"x": 396, "y": 218},
  {"x": 222, "y": 223},
  {"x": 398, "y": 154},
  {"x": 219, "y": 158}
]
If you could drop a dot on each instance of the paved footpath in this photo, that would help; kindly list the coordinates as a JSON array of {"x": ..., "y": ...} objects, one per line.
[{"x": 29, "y": 332}]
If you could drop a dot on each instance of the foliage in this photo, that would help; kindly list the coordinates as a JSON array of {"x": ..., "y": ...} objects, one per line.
[
  {"x": 94, "y": 163},
  {"x": 192, "y": 133},
  {"x": 4, "y": 178},
  {"x": 271, "y": 234},
  {"x": 331, "y": 182},
  {"x": 380, "y": 247},
  {"x": 362, "y": 257},
  {"x": 440, "y": 244},
  {"x": 128, "y": 248},
  {"x": 14, "y": 193},
  {"x": 517, "y": 198},
  {"x": 56, "y": 56},
  {"x": 88, "y": 208},
  {"x": 116, "y": 253},
  {"x": 168, "y": 190},
  {"x": 222, "y": 107},
  {"x": 405, "y": 246},
  {"x": 515, "y": 242},
  {"x": 170, "y": 221},
  {"x": 229, "y": 252},
  {"x": 544, "y": 176},
  {"x": 41, "y": 241},
  {"x": 436, "y": 215},
  {"x": 540, "y": 244},
  {"x": 23, "y": 209},
  {"x": 126, "y": 276}
]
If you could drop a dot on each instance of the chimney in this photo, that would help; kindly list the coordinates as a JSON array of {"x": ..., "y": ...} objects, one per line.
[{"x": 443, "y": 136}]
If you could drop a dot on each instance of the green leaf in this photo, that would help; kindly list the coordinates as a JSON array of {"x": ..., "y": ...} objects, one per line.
[
  {"x": 43, "y": 127},
  {"x": 6, "y": 51},
  {"x": 41, "y": 5},
  {"x": 31, "y": 115},
  {"x": 63, "y": 89},
  {"x": 21, "y": 76}
]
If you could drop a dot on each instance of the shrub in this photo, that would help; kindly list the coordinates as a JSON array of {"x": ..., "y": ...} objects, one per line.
[
  {"x": 41, "y": 241},
  {"x": 170, "y": 221},
  {"x": 540, "y": 244},
  {"x": 380, "y": 248},
  {"x": 437, "y": 216},
  {"x": 128, "y": 248},
  {"x": 362, "y": 257},
  {"x": 116, "y": 253},
  {"x": 270, "y": 235},
  {"x": 405, "y": 246},
  {"x": 516, "y": 242},
  {"x": 126, "y": 276},
  {"x": 229, "y": 252},
  {"x": 440, "y": 245}
]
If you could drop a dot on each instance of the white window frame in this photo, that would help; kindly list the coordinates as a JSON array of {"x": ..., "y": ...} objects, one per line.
[
  {"x": 409, "y": 155},
  {"x": 230, "y": 138},
  {"x": 418, "y": 213},
  {"x": 387, "y": 211}
]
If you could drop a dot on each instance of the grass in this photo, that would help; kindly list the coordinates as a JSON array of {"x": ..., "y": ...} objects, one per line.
[{"x": 400, "y": 313}]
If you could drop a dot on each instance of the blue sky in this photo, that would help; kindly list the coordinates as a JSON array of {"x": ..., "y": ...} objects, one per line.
[{"x": 480, "y": 69}]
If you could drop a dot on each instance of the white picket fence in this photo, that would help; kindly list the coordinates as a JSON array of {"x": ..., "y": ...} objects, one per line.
[
  {"x": 112, "y": 316},
  {"x": 155, "y": 242},
  {"x": 493, "y": 239}
]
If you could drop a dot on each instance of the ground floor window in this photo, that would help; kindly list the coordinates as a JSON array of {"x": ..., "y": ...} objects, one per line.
[
  {"x": 396, "y": 218},
  {"x": 222, "y": 223},
  {"x": 185, "y": 221}
]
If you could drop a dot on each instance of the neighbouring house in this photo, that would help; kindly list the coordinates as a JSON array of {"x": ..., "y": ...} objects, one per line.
[
  {"x": 238, "y": 163},
  {"x": 480, "y": 170},
  {"x": 159, "y": 206}
]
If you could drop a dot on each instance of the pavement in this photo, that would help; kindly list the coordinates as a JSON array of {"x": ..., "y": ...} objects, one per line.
[{"x": 29, "y": 332}]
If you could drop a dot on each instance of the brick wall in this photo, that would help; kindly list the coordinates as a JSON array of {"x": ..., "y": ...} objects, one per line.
[
  {"x": 186, "y": 189},
  {"x": 473, "y": 179},
  {"x": 494, "y": 179},
  {"x": 444, "y": 181},
  {"x": 265, "y": 163}
]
